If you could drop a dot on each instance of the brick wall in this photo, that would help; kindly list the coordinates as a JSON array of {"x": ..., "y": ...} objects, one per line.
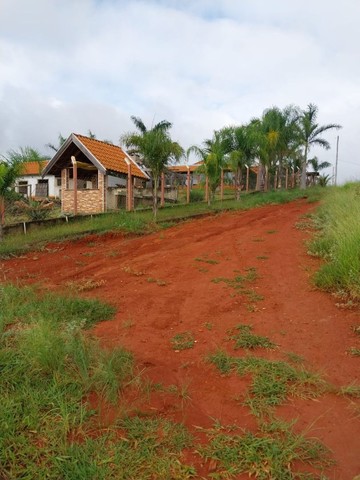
[{"x": 88, "y": 201}]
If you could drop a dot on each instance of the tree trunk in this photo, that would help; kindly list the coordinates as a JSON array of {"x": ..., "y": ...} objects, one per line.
[
  {"x": 303, "y": 169},
  {"x": 260, "y": 181},
  {"x": 238, "y": 178},
  {"x": 2, "y": 217},
  {"x": 155, "y": 193}
]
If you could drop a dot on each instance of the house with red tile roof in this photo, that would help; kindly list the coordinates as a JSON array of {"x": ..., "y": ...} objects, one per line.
[
  {"x": 95, "y": 176},
  {"x": 32, "y": 184}
]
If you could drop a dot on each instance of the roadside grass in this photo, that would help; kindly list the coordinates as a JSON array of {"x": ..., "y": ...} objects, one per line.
[
  {"x": 244, "y": 338},
  {"x": 274, "y": 455},
  {"x": 272, "y": 381},
  {"x": 338, "y": 242},
  {"x": 84, "y": 284},
  {"x": 49, "y": 369},
  {"x": 140, "y": 222}
]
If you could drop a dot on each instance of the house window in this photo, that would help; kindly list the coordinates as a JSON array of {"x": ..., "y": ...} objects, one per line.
[
  {"x": 58, "y": 181},
  {"x": 23, "y": 187}
]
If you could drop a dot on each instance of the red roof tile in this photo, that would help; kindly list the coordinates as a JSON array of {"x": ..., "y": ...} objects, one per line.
[
  {"x": 33, "y": 168},
  {"x": 110, "y": 156}
]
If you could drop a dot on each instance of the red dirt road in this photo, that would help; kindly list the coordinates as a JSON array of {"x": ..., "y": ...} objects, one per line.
[{"x": 162, "y": 285}]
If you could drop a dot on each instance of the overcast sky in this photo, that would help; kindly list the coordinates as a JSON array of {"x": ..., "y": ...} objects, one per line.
[{"x": 74, "y": 65}]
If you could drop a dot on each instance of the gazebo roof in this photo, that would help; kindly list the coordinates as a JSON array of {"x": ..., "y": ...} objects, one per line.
[{"x": 108, "y": 158}]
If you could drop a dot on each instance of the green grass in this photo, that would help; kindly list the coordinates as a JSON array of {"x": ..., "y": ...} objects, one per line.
[
  {"x": 140, "y": 222},
  {"x": 27, "y": 304},
  {"x": 338, "y": 242},
  {"x": 265, "y": 456},
  {"x": 244, "y": 338},
  {"x": 206, "y": 260},
  {"x": 355, "y": 352},
  {"x": 49, "y": 367},
  {"x": 183, "y": 341},
  {"x": 272, "y": 381},
  {"x": 238, "y": 281},
  {"x": 352, "y": 391}
]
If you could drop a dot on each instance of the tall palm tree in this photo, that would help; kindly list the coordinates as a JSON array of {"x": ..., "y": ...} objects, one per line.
[
  {"x": 243, "y": 148},
  {"x": 279, "y": 128},
  {"x": 213, "y": 155},
  {"x": 10, "y": 169},
  {"x": 155, "y": 147},
  {"x": 309, "y": 134}
]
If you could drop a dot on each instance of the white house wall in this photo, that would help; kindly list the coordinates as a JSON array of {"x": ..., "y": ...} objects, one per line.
[{"x": 32, "y": 180}]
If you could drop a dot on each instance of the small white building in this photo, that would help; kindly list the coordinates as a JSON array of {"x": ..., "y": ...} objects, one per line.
[{"x": 31, "y": 184}]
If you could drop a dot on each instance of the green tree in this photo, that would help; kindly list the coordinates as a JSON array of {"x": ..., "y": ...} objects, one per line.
[
  {"x": 10, "y": 169},
  {"x": 61, "y": 141},
  {"x": 242, "y": 148},
  {"x": 213, "y": 155},
  {"x": 278, "y": 138},
  {"x": 317, "y": 166},
  {"x": 309, "y": 134},
  {"x": 156, "y": 149}
]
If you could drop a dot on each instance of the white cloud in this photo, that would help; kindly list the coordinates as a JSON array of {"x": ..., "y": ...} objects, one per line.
[{"x": 73, "y": 66}]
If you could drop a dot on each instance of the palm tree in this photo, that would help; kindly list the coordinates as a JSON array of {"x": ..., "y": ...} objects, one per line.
[
  {"x": 155, "y": 147},
  {"x": 279, "y": 143},
  {"x": 61, "y": 141},
  {"x": 243, "y": 149},
  {"x": 316, "y": 165},
  {"x": 10, "y": 169},
  {"x": 309, "y": 134},
  {"x": 213, "y": 155}
]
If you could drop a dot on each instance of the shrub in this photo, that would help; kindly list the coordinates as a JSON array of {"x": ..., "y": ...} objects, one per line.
[{"x": 197, "y": 195}]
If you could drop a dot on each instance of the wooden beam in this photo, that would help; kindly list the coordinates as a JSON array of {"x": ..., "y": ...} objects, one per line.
[{"x": 73, "y": 161}]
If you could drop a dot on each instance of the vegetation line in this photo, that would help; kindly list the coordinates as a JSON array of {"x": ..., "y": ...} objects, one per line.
[
  {"x": 338, "y": 240},
  {"x": 142, "y": 221}
]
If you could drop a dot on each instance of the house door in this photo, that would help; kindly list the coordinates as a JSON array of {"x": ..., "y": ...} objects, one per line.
[{"x": 42, "y": 188}]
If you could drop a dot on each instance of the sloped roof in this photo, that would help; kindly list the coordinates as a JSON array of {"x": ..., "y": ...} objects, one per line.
[
  {"x": 106, "y": 157},
  {"x": 182, "y": 168},
  {"x": 111, "y": 156},
  {"x": 33, "y": 168},
  {"x": 195, "y": 166}
]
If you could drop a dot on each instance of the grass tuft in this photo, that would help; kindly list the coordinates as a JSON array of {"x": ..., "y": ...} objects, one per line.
[
  {"x": 244, "y": 338},
  {"x": 183, "y": 341},
  {"x": 272, "y": 381},
  {"x": 275, "y": 455}
]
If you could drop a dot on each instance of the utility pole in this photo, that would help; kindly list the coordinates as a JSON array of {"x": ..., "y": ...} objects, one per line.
[{"x": 337, "y": 159}]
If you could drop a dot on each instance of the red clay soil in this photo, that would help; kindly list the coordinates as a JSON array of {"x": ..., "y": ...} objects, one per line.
[{"x": 162, "y": 285}]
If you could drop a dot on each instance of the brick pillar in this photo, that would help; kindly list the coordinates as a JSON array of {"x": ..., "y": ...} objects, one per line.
[{"x": 73, "y": 160}]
